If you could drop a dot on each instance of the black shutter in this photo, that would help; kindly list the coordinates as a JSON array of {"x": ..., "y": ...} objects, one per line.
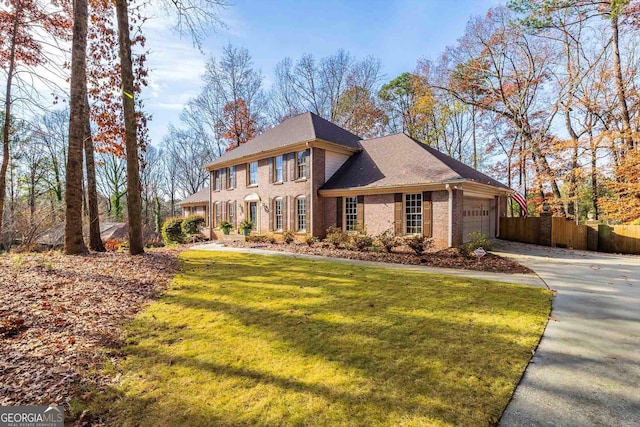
[
  {"x": 397, "y": 214},
  {"x": 427, "y": 214},
  {"x": 339, "y": 212},
  {"x": 360, "y": 214},
  {"x": 292, "y": 163}
]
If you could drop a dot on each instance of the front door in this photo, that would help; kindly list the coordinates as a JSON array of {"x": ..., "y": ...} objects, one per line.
[{"x": 253, "y": 214}]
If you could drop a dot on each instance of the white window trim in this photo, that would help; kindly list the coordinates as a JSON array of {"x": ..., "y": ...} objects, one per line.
[
  {"x": 253, "y": 184},
  {"x": 282, "y": 214},
  {"x": 297, "y": 216},
  {"x": 405, "y": 223}
]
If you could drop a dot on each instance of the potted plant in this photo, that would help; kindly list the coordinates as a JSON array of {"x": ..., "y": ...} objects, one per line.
[
  {"x": 246, "y": 226},
  {"x": 226, "y": 227}
]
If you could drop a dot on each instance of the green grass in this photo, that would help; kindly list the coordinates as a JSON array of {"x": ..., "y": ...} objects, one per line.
[{"x": 266, "y": 340}]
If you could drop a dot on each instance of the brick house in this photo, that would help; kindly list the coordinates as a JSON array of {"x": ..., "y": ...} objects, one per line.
[
  {"x": 307, "y": 174},
  {"x": 198, "y": 204}
]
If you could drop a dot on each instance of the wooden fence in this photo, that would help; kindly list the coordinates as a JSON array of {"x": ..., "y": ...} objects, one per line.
[
  {"x": 525, "y": 230},
  {"x": 565, "y": 233},
  {"x": 623, "y": 239},
  {"x": 562, "y": 232}
]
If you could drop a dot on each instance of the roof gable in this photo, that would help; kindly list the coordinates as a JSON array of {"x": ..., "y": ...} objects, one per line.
[
  {"x": 301, "y": 128},
  {"x": 398, "y": 160}
]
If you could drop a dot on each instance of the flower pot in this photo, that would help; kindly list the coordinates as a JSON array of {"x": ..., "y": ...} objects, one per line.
[
  {"x": 226, "y": 231},
  {"x": 246, "y": 231}
]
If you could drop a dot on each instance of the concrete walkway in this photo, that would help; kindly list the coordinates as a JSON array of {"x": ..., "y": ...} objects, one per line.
[
  {"x": 523, "y": 279},
  {"x": 586, "y": 371}
]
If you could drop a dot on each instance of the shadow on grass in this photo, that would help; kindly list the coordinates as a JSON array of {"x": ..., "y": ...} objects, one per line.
[{"x": 342, "y": 344}]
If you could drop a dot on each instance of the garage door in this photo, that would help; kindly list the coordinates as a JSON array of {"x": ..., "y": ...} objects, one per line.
[{"x": 479, "y": 216}]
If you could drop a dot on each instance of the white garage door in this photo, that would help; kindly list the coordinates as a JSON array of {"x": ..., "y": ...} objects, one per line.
[{"x": 478, "y": 215}]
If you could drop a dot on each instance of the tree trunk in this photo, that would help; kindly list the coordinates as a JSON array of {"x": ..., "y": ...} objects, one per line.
[
  {"x": 95, "y": 242},
  {"x": 134, "y": 196},
  {"x": 473, "y": 134},
  {"x": 622, "y": 97},
  {"x": 156, "y": 214},
  {"x": 7, "y": 116},
  {"x": 73, "y": 240}
]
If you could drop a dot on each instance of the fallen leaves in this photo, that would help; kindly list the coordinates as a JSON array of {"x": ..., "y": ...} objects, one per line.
[{"x": 58, "y": 313}]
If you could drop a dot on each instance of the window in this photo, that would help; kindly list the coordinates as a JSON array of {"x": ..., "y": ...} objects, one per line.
[
  {"x": 252, "y": 213},
  {"x": 217, "y": 179},
  {"x": 253, "y": 173},
  {"x": 301, "y": 214},
  {"x": 231, "y": 212},
  {"x": 218, "y": 207},
  {"x": 413, "y": 213},
  {"x": 231, "y": 177},
  {"x": 302, "y": 166},
  {"x": 277, "y": 169},
  {"x": 277, "y": 214},
  {"x": 350, "y": 213}
]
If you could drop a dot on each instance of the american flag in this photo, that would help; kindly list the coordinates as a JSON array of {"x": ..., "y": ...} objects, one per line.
[{"x": 521, "y": 201}]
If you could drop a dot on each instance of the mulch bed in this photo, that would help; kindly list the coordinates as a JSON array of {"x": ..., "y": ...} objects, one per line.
[
  {"x": 446, "y": 258},
  {"x": 59, "y": 313}
]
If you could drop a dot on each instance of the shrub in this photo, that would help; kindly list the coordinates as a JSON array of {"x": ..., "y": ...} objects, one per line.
[
  {"x": 388, "y": 240},
  {"x": 262, "y": 238},
  {"x": 153, "y": 240},
  {"x": 419, "y": 244},
  {"x": 172, "y": 231},
  {"x": 336, "y": 237},
  {"x": 477, "y": 240},
  {"x": 360, "y": 240},
  {"x": 310, "y": 240},
  {"x": 288, "y": 237},
  {"x": 192, "y": 224},
  {"x": 112, "y": 245}
]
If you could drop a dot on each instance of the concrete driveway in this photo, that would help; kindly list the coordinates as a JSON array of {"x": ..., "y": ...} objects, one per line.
[{"x": 586, "y": 371}]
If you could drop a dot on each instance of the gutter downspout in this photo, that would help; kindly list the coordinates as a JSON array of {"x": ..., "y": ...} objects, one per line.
[
  {"x": 311, "y": 192},
  {"x": 450, "y": 237}
]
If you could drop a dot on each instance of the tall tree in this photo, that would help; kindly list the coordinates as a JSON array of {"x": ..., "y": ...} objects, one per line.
[
  {"x": 237, "y": 125},
  {"x": 410, "y": 102},
  {"x": 95, "y": 241},
  {"x": 496, "y": 68},
  {"x": 73, "y": 238},
  {"x": 324, "y": 86},
  {"x": 21, "y": 24},
  {"x": 134, "y": 192},
  {"x": 231, "y": 104}
]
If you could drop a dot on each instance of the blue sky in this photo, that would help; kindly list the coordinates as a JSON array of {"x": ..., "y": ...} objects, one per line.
[{"x": 396, "y": 32}]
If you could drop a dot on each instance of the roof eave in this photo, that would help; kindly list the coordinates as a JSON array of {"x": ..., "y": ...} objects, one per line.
[
  {"x": 461, "y": 184},
  {"x": 319, "y": 143}
]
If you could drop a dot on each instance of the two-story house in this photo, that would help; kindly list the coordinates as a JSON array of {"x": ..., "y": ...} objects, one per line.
[{"x": 307, "y": 174}]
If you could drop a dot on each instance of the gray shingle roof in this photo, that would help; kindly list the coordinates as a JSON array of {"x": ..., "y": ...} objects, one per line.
[
  {"x": 397, "y": 160},
  {"x": 301, "y": 128},
  {"x": 200, "y": 196}
]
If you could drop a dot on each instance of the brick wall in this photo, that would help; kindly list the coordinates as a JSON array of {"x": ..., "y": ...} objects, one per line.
[
  {"x": 266, "y": 191},
  {"x": 378, "y": 213},
  {"x": 318, "y": 170},
  {"x": 329, "y": 212},
  {"x": 440, "y": 205}
]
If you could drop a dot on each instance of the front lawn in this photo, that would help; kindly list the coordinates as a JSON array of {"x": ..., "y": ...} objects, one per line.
[{"x": 265, "y": 340}]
